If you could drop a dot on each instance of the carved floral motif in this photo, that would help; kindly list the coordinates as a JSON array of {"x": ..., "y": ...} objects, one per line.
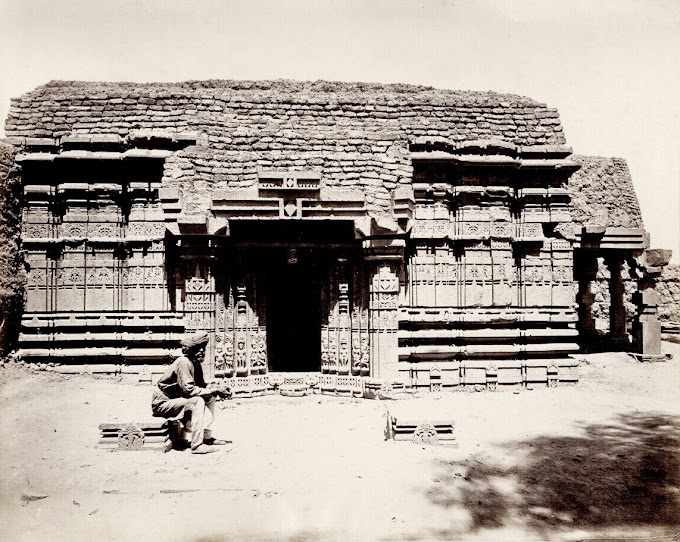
[
  {"x": 441, "y": 228},
  {"x": 502, "y": 230},
  {"x": 69, "y": 275},
  {"x": 74, "y": 229},
  {"x": 135, "y": 274},
  {"x": 36, "y": 277},
  {"x": 102, "y": 230}
]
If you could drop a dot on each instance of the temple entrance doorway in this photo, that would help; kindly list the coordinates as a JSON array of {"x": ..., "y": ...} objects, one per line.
[
  {"x": 285, "y": 299},
  {"x": 293, "y": 304}
]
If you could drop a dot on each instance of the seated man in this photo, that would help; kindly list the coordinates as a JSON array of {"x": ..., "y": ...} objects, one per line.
[{"x": 182, "y": 389}]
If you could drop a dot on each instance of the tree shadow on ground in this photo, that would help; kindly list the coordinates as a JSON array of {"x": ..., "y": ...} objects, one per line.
[{"x": 617, "y": 475}]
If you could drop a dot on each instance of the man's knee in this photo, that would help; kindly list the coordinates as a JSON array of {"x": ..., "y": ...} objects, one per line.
[{"x": 196, "y": 402}]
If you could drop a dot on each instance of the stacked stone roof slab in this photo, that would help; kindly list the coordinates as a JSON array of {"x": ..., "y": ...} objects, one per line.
[
  {"x": 603, "y": 193},
  {"x": 355, "y": 134}
]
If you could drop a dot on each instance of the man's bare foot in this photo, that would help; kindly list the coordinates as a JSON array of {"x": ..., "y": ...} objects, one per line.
[
  {"x": 203, "y": 449},
  {"x": 215, "y": 442}
]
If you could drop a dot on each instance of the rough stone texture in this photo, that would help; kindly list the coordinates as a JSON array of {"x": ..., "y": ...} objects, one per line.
[
  {"x": 355, "y": 133},
  {"x": 602, "y": 195},
  {"x": 601, "y": 297},
  {"x": 12, "y": 279},
  {"x": 668, "y": 287}
]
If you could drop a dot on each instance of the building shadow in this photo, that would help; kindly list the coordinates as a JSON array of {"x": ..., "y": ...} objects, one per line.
[{"x": 621, "y": 474}]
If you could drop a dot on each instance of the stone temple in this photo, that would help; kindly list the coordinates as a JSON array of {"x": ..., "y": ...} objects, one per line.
[{"x": 343, "y": 234}]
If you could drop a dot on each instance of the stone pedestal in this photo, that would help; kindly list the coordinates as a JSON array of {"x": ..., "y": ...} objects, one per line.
[{"x": 647, "y": 328}]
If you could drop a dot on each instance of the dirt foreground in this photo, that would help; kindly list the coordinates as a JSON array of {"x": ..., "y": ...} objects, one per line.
[{"x": 598, "y": 460}]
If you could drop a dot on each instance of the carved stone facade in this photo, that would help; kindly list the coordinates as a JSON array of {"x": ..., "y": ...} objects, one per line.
[{"x": 333, "y": 238}]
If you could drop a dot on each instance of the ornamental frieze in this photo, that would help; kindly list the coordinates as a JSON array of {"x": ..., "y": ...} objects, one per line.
[
  {"x": 76, "y": 230},
  {"x": 36, "y": 231}
]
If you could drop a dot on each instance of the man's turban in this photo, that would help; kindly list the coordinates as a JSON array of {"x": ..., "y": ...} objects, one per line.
[{"x": 195, "y": 340}]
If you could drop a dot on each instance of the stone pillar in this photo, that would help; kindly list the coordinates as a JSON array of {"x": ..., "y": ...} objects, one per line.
[
  {"x": 647, "y": 328},
  {"x": 585, "y": 267},
  {"x": 617, "y": 310}
]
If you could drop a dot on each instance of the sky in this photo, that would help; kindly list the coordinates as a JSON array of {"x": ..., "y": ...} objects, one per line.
[{"x": 611, "y": 67}]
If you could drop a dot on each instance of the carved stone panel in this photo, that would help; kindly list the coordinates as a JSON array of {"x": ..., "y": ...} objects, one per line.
[
  {"x": 563, "y": 285},
  {"x": 240, "y": 326},
  {"x": 101, "y": 280},
  {"x": 344, "y": 329},
  {"x": 478, "y": 276},
  {"x": 70, "y": 282},
  {"x": 537, "y": 280},
  {"x": 39, "y": 282}
]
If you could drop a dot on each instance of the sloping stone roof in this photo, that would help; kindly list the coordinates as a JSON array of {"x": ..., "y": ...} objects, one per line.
[
  {"x": 603, "y": 194},
  {"x": 259, "y": 112}
]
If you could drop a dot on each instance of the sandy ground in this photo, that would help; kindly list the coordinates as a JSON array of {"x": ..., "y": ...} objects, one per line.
[{"x": 597, "y": 460}]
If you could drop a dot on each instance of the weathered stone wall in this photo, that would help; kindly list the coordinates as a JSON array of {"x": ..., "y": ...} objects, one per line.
[
  {"x": 668, "y": 287},
  {"x": 12, "y": 280},
  {"x": 355, "y": 134}
]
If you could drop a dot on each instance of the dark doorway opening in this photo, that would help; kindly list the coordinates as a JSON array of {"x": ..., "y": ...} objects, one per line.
[{"x": 293, "y": 313}]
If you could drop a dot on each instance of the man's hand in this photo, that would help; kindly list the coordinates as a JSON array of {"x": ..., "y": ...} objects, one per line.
[
  {"x": 223, "y": 392},
  {"x": 220, "y": 390}
]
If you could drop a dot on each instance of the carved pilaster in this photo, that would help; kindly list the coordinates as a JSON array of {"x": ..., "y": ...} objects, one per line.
[
  {"x": 478, "y": 276},
  {"x": 562, "y": 273},
  {"x": 241, "y": 328},
  {"x": 199, "y": 311},
  {"x": 344, "y": 339},
  {"x": 224, "y": 361},
  {"x": 503, "y": 274},
  {"x": 241, "y": 353},
  {"x": 360, "y": 337},
  {"x": 329, "y": 328},
  {"x": 384, "y": 292},
  {"x": 344, "y": 329},
  {"x": 536, "y": 278}
]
